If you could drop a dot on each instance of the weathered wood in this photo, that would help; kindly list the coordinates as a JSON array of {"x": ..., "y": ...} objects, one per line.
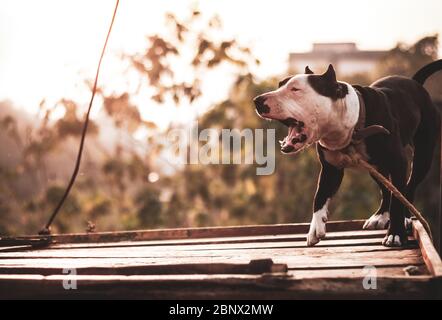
[
  {"x": 429, "y": 253},
  {"x": 218, "y": 268},
  {"x": 289, "y": 248},
  {"x": 343, "y": 235},
  {"x": 214, "y": 287},
  {"x": 381, "y": 271},
  {"x": 191, "y": 233},
  {"x": 15, "y": 249},
  {"x": 327, "y": 246},
  {"x": 195, "y": 263},
  {"x": 36, "y": 241},
  {"x": 294, "y": 259}
]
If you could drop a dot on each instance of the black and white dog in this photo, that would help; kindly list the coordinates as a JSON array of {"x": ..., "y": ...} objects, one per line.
[{"x": 389, "y": 123}]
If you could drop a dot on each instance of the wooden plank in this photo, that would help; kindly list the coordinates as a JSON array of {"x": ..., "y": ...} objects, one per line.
[
  {"x": 219, "y": 268},
  {"x": 359, "y": 234},
  {"x": 385, "y": 271},
  {"x": 429, "y": 253},
  {"x": 15, "y": 249},
  {"x": 253, "y": 267},
  {"x": 309, "y": 257},
  {"x": 192, "y": 233},
  {"x": 324, "y": 247},
  {"x": 291, "y": 248},
  {"x": 32, "y": 241},
  {"x": 214, "y": 287}
]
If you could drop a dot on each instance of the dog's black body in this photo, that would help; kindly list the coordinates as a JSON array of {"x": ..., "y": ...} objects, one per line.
[
  {"x": 401, "y": 105},
  {"x": 404, "y": 107}
]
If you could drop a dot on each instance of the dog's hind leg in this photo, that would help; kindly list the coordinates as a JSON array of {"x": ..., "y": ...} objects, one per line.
[
  {"x": 381, "y": 218},
  {"x": 425, "y": 142},
  {"x": 330, "y": 179},
  {"x": 397, "y": 235}
]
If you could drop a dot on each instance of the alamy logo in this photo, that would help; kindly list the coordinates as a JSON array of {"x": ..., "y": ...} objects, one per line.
[
  {"x": 369, "y": 281},
  {"x": 70, "y": 282},
  {"x": 225, "y": 146}
]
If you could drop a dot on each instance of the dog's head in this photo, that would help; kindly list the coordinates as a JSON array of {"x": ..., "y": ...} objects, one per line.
[{"x": 306, "y": 104}]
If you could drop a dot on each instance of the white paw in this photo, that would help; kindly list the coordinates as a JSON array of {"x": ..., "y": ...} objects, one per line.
[
  {"x": 377, "y": 221},
  {"x": 392, "y": 240},
  {"x": 317, "y": 226}
]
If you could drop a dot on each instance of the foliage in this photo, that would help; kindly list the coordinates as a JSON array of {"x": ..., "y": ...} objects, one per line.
[
  {"x": 406, "y": 60},
  {"x": 157, "y": 61},
  {"x": 115, "y": 190}
]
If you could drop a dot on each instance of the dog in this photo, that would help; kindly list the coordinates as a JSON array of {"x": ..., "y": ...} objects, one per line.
[{"x": 383, "y": 122}]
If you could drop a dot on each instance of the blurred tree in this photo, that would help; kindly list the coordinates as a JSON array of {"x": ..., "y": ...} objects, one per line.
[
  {"x": 49, "y": 142},
  {"x": 156, "y": 63},
  {"x": 405, "y": 60},
  {"x": 115, "y": 188}
]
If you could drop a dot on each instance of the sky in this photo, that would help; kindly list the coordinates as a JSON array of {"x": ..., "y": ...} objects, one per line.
[{"x": 48, "y": 47}]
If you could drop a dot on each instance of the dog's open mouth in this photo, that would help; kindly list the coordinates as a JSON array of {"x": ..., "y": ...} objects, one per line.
[{"x": 296, "y": 138}]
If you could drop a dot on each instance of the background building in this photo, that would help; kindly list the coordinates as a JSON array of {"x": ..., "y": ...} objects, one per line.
[{"x": 345, "y": 56}]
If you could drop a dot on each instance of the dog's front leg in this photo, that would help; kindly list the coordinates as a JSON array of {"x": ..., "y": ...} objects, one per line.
[{"x": 330, "y": 179}]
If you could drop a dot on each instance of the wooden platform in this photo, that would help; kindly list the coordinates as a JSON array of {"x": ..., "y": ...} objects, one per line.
[{"x": 263, "y": 262}]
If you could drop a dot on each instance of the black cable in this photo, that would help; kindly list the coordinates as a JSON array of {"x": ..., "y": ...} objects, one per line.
[{"x": 46, "y": 229}]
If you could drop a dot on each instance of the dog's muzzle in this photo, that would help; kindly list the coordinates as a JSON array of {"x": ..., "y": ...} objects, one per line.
[{"x": 296, "y": 138}]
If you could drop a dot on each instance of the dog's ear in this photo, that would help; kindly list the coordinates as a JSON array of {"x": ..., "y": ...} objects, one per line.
[
  {"x": 330, "y": 74},
  {"x": 283, "y": 82},
  {"x": 327, "y": 85},
  {"x": 340, "y": 89},
  {"x": 308, "y": 71}
]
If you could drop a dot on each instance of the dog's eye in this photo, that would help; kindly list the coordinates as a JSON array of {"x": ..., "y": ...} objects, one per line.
[{"x": 294, "y": 89}]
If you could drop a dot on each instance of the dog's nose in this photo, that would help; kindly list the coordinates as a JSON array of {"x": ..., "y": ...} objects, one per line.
[{"x": 261, "y": 107}]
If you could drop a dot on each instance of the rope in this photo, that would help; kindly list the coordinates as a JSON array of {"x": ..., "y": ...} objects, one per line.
[
  {"x": 362, "y": 163},
  {"x": 46, "y": 230}
]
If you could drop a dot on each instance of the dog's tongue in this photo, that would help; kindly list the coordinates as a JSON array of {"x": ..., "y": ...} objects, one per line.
[{"x": 293, "y": 137}]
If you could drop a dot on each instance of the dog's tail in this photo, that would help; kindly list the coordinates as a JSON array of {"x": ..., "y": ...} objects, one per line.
[
  {"x": 425, "y": 72},
  {"x": 421, "y": 76}
]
